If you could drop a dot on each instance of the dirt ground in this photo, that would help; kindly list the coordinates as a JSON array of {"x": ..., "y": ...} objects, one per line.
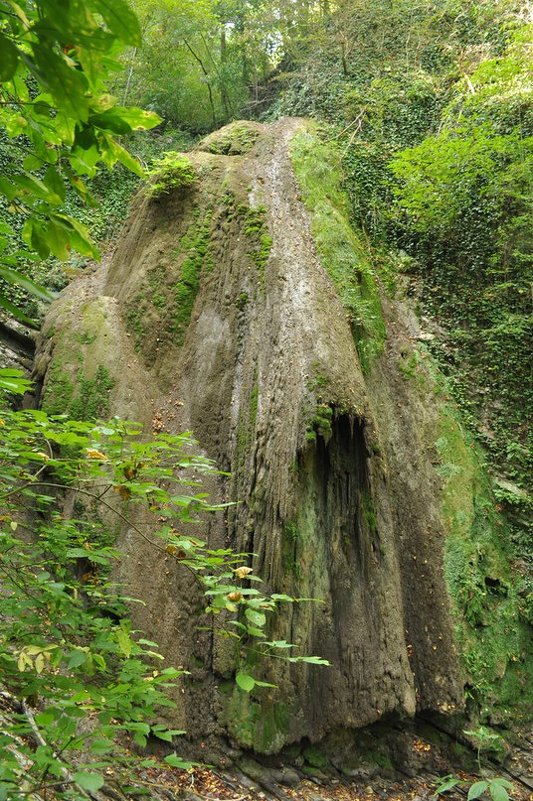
[{"x": 206, "y": 785}]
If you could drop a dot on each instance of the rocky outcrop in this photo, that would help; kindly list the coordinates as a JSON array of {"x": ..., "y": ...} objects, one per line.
[{"x": 219, "y": 313}]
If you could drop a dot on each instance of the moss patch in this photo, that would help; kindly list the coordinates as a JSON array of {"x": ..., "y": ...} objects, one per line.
[
  {"x": 290, "y": 546},
  {"x": 162, "y": 307},
  {"x": 261, "y": 727},
  {"x": 77, "y": 383},
  {"x": 196, "y": 244},
  {"x": 256, "y": 229},
  {"x": 173, "y": 171},
  {"x": 316, "y": 758},
  {"x": 82, "y": 399},
  {"x": 246, "y": 428},
  {"x": 321, "y": 423},
  {"x": 343, "y": 255},
  {"x": 493, "y": 638},
  {"x": 232, "y": 140}
]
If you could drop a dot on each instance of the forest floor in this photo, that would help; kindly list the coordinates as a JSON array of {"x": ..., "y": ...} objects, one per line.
[
  {"x": 206, "y": 785},
  {"x": 289, "y": 784}
]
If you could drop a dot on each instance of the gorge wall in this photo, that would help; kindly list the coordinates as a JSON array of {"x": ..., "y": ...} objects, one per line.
[{"x": 242, "y": 307}]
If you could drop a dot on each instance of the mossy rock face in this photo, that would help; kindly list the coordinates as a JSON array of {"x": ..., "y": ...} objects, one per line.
[
  {"x": 491, "y": 630},
  {"x": 79, "y": 381},
  {"x": 243, "y": 307},
  {"x": 234, "y": 139}
]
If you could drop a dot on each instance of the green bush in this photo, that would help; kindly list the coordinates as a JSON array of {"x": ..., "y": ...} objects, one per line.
[{"x": 172, "y": 171}]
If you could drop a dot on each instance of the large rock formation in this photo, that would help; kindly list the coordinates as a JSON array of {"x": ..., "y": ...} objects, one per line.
[{"x": 223, "y": 312}]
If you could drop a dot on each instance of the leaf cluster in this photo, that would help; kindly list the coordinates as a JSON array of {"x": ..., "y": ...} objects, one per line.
[
  {"x": 54, "y": 60},
  {"x": 169, "y": 172},
  {"x": 496, "y": 788}
]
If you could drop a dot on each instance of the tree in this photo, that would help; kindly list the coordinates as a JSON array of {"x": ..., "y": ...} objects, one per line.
[{"x": 59, "y": 123}]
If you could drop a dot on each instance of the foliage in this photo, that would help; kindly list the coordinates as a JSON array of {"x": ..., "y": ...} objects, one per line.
[
  {"x": 196, "y": 61},
  {"x": 74, "y": 671},
  {"x": 440, "y": 176},
  {"x": 496, "y": 788},
  {"x": 171, "y": 171},
  {"x": 54, "y": 60},
  {"x": 463, "y": 207}
]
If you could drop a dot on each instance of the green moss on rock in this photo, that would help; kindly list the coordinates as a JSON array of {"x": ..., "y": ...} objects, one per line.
[
  {"x": 196, "y": 244},
  {"x": 246, "y": 428},
  {"x": 321, "y": 423},
  {"x": 315, "y": 757},
  {"x": 82, "y": 399},
  {"x": 234, "y": 139},
  {"x": 91, "y": 399},
  {"x": 173, "y": 171},
  {"x": 493, "y": 638},
  {"x": 162, "y": 306},
  {"x": 256, "y": 229},
  {"x": 343, "y": 255},
  {"x": 59, "y": 390},
  {"x": 260, "y": 727},
  {"x": 78, "y": 383},
  {"x": 290, "y": 544}
]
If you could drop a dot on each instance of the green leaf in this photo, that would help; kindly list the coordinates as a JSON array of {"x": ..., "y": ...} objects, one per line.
[
  {"x": 109, "y": 120},
  {"x": 498, "y": 793},
  {"x": 446, "y": 784},
  {"x": 177, "y": 762},
  {"x": 9, "y": 59},
  {"x": 14, "y": 381},
  {"x": 53, "y": 180},
  {"x": 163, "y": 735},
  {"x": 120, "y": 154},
  {"x": 77, "y": 658},
  {"x": 120, "y": 19},
  {"x": 124, "y": 642},
  {"x": 257, "y": 618},
  {"x": 477, "y": 790},
  {"x": 19, "y": 279},
  {"x": 34, "y": 187},
  {"x": 57, "y": 239},
  {"x": 89, "y": 781},
  {"x": 245, "y": 682},
  {"x": 67, "y": 86},
  {"x": 278, "y": 644},
  {"x": 46, "y": 718},
  {"x": 32, "y": 162},
  {"x": 79, "y": 236},
  {"x": 503, "y": 782},
  {"x": 497, "y": 790},
  {"x": 311, "y": 660},
  {"x": 138, "y": 118},
  {"x": 255, "y": 632}
]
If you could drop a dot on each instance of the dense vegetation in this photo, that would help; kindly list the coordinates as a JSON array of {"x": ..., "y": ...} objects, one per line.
[{"x": 429, "y": 108}]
